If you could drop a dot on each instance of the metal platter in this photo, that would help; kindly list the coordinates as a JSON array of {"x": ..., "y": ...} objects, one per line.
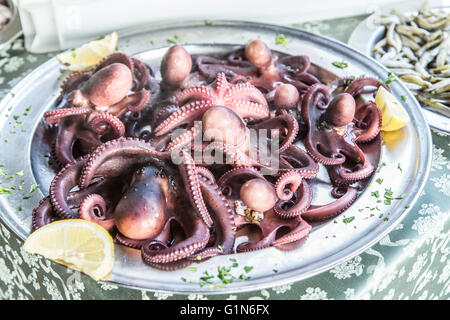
[
  {"x": 364, "y": 38},
  {"x": 406, "y": 155}
]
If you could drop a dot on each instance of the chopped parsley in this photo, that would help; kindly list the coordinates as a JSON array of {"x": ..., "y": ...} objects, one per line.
[
  {"x": 247, "y": 269},
  {"x": 4, "y": 190},
  {"x": 341, "y": 64},
  {"x": 388, "y": 196},
  {"x": 208, "y": 22},
  {"x": 381, "y": 165},
  {"x": 379, "y": 181},
  {"x": 348, "y": 220},
  {"x": 34, "y": 187},
  {"x": 391, "y": 77},
  {"x": 403, "y": 98},
  {"x": 280, "y": 39},
  {"x": 173, "y": 40}
]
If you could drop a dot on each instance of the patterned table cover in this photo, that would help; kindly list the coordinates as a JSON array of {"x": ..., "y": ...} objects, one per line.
[{"x": 411, "y": 262}]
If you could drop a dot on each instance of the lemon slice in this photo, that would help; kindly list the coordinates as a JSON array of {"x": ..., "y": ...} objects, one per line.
[
  {"x": 76, "y": 243},
  {"x": 394, "y": 116},
  {"x": 89, "y": 54}
]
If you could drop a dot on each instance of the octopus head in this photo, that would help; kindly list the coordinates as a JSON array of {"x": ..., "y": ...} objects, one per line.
[
  {"x": 340, "y": 111},
  {"x": 258, "y": 194},
  {"x": 105, "y": 87},
  {"x": 223, "y": 124},
  {"x": 258, "y": 54},
  {"x": 286, "y": 96},
  {"x": 176, "y": 66},
  {"x": 141, "y": 213}
]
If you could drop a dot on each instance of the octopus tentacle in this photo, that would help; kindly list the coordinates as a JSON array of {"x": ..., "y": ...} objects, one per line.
[
  {"x": 237, "y": 172},
  {"x": 53, "y": 116},
  {"x": 116, "y": 57},
  {"x": 248, "y": 109},
  {"x": 301, "y": 231},
  {"x": 193, "y": 94},
  {"x": 309, "y": 102},
  {"x": 368, "y": 118},
  {"x": 291, "y": 126},
  {"x": 358, "y": 86},
  {"x": 141, "y": 74},
  {"x": 102, "y": 122},
  {"x": 43, "y": 214},
  {"x": 303, "y": 198},
  {"x": 134, "y": 102},
  {"x": 154, "y": 252},
  {"x": 224, "y": 219},
  {"x": 184, "y": 139},
  {"x": 163, "y": 114},
  {"x": 287, "y": 184},
  {"x": 245, "y": 91},
  {"x": 93, "y": 208},
  {"x": 189, "y": 175},
  {"x": 130, "y": 243},
  {"x": 186, "y": 114},
  {"x": 115, "y": 156},
  {"x": 299, "y": 161},
  {"x": 62, "y": 184},
  {"x": 327, "y": 211},
  {"x": 72, "y": 82},
  {"x": 345, "y": 175}
]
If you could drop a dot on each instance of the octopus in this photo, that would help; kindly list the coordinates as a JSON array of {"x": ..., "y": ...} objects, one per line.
[
  {"x": 204, "y": 175},
  {"x": 94, "y": 107},
  {"x": 338, "y": 126}
]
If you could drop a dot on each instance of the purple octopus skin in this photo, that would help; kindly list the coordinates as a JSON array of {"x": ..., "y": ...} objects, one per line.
[
  {"x": 178, "y": 213},
  {"x": 93, "y": 106},
  {"x": 335, "y": 128}
]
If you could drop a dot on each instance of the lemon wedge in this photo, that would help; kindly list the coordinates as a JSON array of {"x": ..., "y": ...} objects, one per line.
[
  {"x": 89, "y": 54},
  {"x": 77, "y": 244},
  {"x": 394, "y": 116}
]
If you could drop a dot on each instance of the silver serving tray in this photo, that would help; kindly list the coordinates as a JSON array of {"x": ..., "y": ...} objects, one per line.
[
  {"x": 328, "y": 244},
  {"x": 13, "y": 29},
  {"x": 364, "y": 38}
]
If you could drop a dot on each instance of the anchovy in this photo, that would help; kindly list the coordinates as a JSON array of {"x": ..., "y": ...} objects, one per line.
[{"x": 416, "y": 47}]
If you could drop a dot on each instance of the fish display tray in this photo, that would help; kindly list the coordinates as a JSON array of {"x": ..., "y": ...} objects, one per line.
[
  {"x": 405, "y": 155},
  {"x": 364, "y": 38}
]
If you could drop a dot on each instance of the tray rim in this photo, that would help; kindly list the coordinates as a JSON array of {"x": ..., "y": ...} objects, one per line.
[{"x": 288, "y": 276}]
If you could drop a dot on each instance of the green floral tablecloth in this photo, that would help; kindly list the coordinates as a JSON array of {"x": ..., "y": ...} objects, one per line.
[{"x": 409, "y": 263}]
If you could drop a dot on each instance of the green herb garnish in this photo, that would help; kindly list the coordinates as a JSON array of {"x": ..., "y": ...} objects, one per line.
[
  {"x": 173, "y": 40},
  {"x": 391, "y": 77},
  {"x": 348, "y": 220},
  {"x": 281, "y": 39},
  {"x": 4, "y": 190},
  {"x": 341, "y": 64}
]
